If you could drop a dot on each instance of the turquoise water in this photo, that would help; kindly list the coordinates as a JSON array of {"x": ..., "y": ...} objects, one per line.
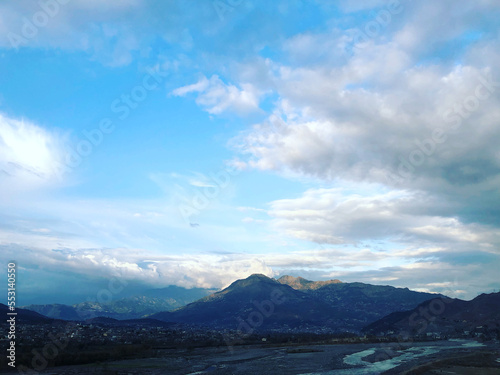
[{"x": 407, "y": 355}]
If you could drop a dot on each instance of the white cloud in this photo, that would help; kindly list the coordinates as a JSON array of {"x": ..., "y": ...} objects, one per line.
[
  {"x": 217, "y": 97},
  {"x": 203, "y": 270},
  {"x": 421, "y": 128},
  {"x": 30, "y": 156},
  {"x": 218, "y": 270},
  {"x": 110, "y": 32},
  {"x": 332, "y": 216}
]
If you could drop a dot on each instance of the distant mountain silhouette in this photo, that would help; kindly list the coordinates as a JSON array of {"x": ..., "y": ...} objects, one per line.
[
  {"x": 443, "y": 316},
  {"x": 153, "y": 301},
  {"x": 23, "y": 316},
  {"x": 271, "y": 304},
  {"x": 56, "y": 311},
  {"x": 178, "y": 295}
]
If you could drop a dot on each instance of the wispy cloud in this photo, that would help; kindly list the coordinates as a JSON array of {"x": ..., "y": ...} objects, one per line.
[
  {"x": 30, "y": 156},
  {"x": 217, "y": 97}
]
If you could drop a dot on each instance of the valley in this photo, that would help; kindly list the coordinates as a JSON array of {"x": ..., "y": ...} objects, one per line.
[
  {"x": 333, "y": 359},
  {"x": 289, "y": 325}
]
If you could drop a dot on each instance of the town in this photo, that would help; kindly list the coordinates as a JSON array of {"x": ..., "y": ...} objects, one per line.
[{"x": 62, "y": 343}]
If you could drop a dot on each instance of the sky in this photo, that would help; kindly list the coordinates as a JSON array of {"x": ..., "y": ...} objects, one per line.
[{"x": 194, "y": 143}]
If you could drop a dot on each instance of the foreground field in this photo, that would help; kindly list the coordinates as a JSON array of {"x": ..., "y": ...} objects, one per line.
[{"x": 440, "y": 357}]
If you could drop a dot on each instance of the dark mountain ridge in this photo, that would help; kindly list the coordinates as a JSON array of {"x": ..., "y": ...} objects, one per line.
[
  {"x": 443, "y": 316},
  {"x": 258, "y": 300},
  {"x": 330, "y": 306}
]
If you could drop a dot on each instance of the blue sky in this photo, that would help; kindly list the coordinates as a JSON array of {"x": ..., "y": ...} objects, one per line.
[{"x": 193, "y": 143}]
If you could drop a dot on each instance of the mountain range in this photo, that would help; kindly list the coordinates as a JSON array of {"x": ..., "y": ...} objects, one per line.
[
  {"x": 259, "y": 302},
  {"x": 151, "y": 301},
  {"x": 292, "y": 304}
]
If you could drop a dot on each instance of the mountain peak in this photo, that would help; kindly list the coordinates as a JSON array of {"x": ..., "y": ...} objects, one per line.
[
  {"x": 256, "y": 278},
  {"x": 300, "y": 283}
]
